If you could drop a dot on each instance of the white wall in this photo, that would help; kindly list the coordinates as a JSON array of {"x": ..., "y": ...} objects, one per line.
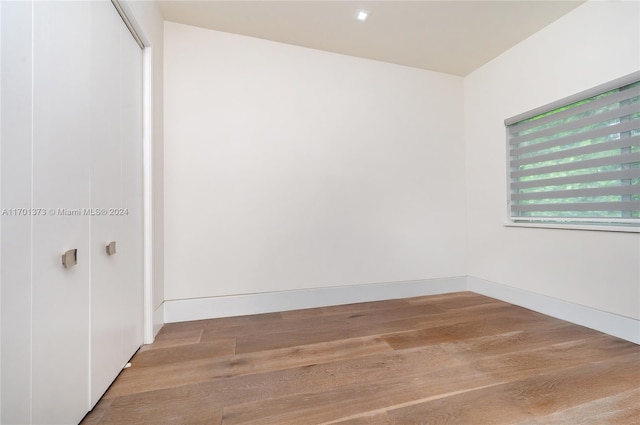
[
  {"x": 291, "y": 168},
  {"x": 595, "y": 43}
]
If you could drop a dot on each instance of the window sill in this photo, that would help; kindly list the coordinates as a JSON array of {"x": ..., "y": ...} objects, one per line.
[{"x": 624, "y": 229}]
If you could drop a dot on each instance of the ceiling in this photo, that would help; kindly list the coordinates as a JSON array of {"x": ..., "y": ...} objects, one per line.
[{"x": 455, "y": 37}]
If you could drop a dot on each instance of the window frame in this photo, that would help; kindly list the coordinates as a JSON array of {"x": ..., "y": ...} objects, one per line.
[{"x": 595, "y": 224}]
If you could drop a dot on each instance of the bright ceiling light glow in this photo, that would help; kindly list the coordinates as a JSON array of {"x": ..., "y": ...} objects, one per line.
[{"x": 362, "y": 15}]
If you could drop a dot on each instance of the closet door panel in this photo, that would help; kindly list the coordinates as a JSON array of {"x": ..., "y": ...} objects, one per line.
[
  {"x": 132, "y": 193},
  {"x": 15, "y": 347},
  {"x": 117, "y": 284},
  {"x": 61, "y": 182},
  {"x": 106, "y": 194}
]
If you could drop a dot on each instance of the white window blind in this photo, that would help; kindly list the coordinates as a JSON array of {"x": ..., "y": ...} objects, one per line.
[{"x": 578, "y": 159}]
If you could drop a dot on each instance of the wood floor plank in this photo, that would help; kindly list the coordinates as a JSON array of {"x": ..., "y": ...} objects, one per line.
[
  {"x": 331, "y": 403},
  {"x": 529, "y": 401},
  {"x": 455, "y": 300},
  {"x": 377, "y": 419},
  {"x": 177, "y": 339},
  {"x": 315, "y": 331},
  {"x": 211, "y": 349},
  {"x": 226, "y": 325},
  {"x": 531, "y": 338},
  {"x": 99, "y": 410},
  {"x": 489, "y": 323},
  {"x": 390, "y": 371},
  {"x": 455, "y": 358},
  {"x": 167, "y": 375},
  {"x": 180, "y": 410},
  {"x": 617, "y": 409},
  {"x": 370, "y": 308},
  {"x": 560, "y": 356},
  {"x": 572, "y": 386}
]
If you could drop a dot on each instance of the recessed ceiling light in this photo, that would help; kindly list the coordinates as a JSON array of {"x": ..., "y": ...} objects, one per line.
[{"x": 362, "y": 15}]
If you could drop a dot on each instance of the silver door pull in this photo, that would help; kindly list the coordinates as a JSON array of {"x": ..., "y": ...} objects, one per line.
[
  {"x": 70, "y": 258},
  {"x": 111, "y": 248}
]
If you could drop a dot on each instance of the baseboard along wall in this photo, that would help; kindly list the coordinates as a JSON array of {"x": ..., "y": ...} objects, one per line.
[
  {"x": 158, "y": 319},
  {"x": 270, "y": 302},
  {"x": 609, "y": 323}
]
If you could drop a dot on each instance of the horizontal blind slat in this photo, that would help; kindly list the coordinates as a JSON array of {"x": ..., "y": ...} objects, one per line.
[
  {"x": 595, "y": 104},
  {"x": 599, "y": 147},
  {"x": 579, "y": 206},
  {"x": 558, "y": 219},
  {"x": 576, "y": 193},
  {"x": 623, "y": 127},
  {"x": 578, "y": 165},
  {"x": 578, "y": 124},
  {"x": 632, "y": 173}
]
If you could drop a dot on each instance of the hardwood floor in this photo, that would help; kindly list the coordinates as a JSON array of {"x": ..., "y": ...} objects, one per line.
[{"x": 449, "y": 359}]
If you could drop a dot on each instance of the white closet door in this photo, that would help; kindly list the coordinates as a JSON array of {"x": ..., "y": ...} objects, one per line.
[
  {"x": 131, "y": 137},
  {"x": 106, "y": 182},
  {"x": 72, "y": 129},
  {"x": 117, "y": 285},
  {"x": 15, "y": 347},
  {"x": 61, "y": 180}
]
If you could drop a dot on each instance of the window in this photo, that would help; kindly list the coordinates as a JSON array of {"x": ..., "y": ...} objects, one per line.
[{"x": 577, "y": 161}]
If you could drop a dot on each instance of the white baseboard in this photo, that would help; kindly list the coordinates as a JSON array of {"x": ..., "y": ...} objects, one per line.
[
  {"x": 158, "y": 319},
  {"x": 270, "y": 302},
  {"x": 609, "y": 323}
]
